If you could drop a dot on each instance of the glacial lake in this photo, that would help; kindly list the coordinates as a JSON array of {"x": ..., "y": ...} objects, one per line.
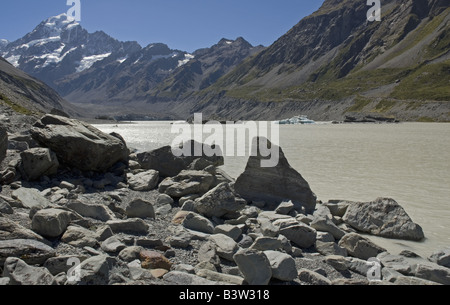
[{"x": 409, "y": 162}]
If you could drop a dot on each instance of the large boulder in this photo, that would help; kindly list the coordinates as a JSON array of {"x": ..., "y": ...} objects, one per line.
[
  {"x": 219, "y": 201},
  {"x": 95, "y": 270},
  {"x": 78, "y": 144},
  {"x": 20, "y": 273},
  {"x": 139, "y": 208},
  {"x": 31, "y": 251},
  {"x": 37, "y": 162},
  {"x": 145, "y": 181},
  {"x": 383, "y": 217},
  {"x": 360, "y": 247},
  {"x": 283, "y": 265},
  {"x": 299, "y": 233},
  {"x": 187, "y": 182},
  {"x": 30, "y": 198},
  {"x": 3, "y": 143},
  {"x": 12, "y": 230},
  {"x": 274, "y": 185},
  {"x": 168, "y": 165},
  {"x": 50, "y": 222},
  {"x": 92, "y": 210},
  {"x": 254, "y": 265}
]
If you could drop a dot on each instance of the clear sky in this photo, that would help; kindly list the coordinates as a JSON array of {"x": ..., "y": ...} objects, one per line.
[{"x": 182, "y": 24}]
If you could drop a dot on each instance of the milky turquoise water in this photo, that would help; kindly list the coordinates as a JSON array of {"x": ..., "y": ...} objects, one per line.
[{"x": 409, "y": 162}]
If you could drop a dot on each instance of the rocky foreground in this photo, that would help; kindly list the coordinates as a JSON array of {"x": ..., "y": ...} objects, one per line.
[{"x": 77, "y": 207}]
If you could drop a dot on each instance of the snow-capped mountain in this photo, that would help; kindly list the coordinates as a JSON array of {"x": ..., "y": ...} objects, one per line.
[{"x": 59, "y": 46}]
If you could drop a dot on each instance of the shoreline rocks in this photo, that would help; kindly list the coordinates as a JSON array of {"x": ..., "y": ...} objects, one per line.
[
  {"x": 192, "y": 227},
  {"x": 383, "y": 217},
  {"x": 79, "y": 144}
]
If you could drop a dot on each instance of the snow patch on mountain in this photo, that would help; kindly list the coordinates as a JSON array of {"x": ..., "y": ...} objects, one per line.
[
  {"x": 88, "y": 61},
  {"x": 187, "y": 58}
]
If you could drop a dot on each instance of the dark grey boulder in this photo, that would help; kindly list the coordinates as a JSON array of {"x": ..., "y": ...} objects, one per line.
[
  {"x": 383, "y": 217},
  {"x": 78, "y": 144},
  {"x": 274, "y": 185},
  {"x": 168, "y": 165}
]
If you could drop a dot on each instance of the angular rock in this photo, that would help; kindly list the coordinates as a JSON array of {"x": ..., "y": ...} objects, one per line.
[
  {"x": 3, "y": 143},
  {"x": 103, "y": 233},
  {"x": 130, "y": 254},
  {"x": 187, "y": 182},
  {"x": 164, "y": 199},
  {"x": 79, "y": 237},
  {"x": 432, "y": 272},
  {"x": 383, "y": 217},
  {"x": 264, "y": 243},
  {"x": 186, "y": 279},
  {"x": 326, "y": 224},
  {"x": 337, "y": 262},
  {"x": 199, "y": 223},
  {"x": 359, "y": 246},
  {"x": 219, "y": 201},
  {"x": 283, "y": 265},
  {"x": 78, "y": 144},
  {"x": 96, "y": 270},
  {"x": 143, "y": 182},
  {"x": 302, "y": 235},
  {"x": 154, "y": 260},
  {"x": 20, "y": 273},
  {"x": 229, "y": 230},
  {"x": 31, "y": 251},
  {"x": 181, "y": 239},
  {"x": 140, "y": 209},
  {"x": 38, "y": 162},
  {"x": 285, "y": 208},
  {"x": 11, "y": 230},
  {"x": 30, "y": 198},
  {"x": 330, "y": 248},
  {"x": 338, "y": 207},
  {"x": 168, "y": 165},
  {"x": 226, "y": 247},
  {"x": 220, "y": 277},
  {"x": 50, "y": 222},
  {"x": 395, "y": 262},
  {"x": 254, "y": 265},
  {"x": 273, "y": 184},
  {"x": 441, "y": 257},
  {"x": 313, "y": 278},
  {"x": 208, "y": 253},
  {"x": 133, "y": 225},
  {"x": 411, "y": 281},
  {"x": 5, "y": 208},
  {"x": 92, "y": 210},
  {"x": 113, "y": 245}
]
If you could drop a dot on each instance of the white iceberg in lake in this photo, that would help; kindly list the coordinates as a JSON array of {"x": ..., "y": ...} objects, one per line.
[{"x": 300, "y": 119}]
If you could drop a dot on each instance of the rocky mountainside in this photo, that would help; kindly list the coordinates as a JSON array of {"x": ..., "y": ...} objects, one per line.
[
  {"x": 205, "y": 68},
  {"x": 336, "y": 62},
  {"x": 23, "y": 94},
  {"x": 122, "y": 78}
]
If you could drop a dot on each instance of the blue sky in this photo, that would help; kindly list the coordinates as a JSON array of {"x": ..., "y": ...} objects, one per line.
[{"x": 182, "y": 24}]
